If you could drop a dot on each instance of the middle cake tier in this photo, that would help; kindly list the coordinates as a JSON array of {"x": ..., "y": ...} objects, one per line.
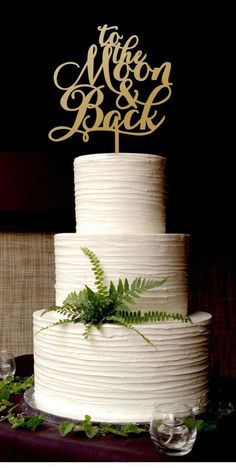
[{"x": 154, "y": 256}]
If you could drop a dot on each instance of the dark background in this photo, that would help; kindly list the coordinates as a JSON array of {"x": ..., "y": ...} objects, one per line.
[
  {"x": 194, "y": 138},
  {"x": 36, "y": 175}
]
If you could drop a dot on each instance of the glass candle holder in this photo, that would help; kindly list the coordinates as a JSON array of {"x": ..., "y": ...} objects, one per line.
[
  {"x": 173, "y": 429},
  {"x": 7, "y": 364}
]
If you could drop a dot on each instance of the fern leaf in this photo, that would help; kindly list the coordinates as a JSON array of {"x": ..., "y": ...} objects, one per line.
[
  {"x": 91, "y": 293},
  {"x": 49, "y": 309},
  {"x": 110, "y": 304},
  {"x": 136, "y": 283},
  {"x": 148, "y": 283},
  {"x": 120, "y": 287},
  {"x": 126, "y": 285},
  {"x": 59, "y": 322},
  {"x": 126, "y": 324},
  {"x": 87, "y": 329},
  {"x": 127, "y": 298},
  {"x": 138, "y": 287},
  {"x": 75, "y": 301},
  {"x": 112, "y": 290},
  {"x": 97, "y": 270},
  {"x": 151, "y": 316},
  {"x": 71, "y": 299},
  {"x": 122, "y": 306}
]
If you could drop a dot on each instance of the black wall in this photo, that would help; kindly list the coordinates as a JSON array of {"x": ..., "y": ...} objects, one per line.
[{"x": 195, "y": 136}]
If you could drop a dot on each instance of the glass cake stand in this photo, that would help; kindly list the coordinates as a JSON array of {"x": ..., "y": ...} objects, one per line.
[{"x": 29, "y": 406}]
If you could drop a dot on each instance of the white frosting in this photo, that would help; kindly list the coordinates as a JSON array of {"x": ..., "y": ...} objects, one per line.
[
  {"x": 150, "y": 256},
  {"x": 120, "y": 194},
  {"x": 115, "y": 375}
]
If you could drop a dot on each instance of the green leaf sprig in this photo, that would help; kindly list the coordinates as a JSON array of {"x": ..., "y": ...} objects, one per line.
[
  {"x": 109, "y": 304},
  {"x": 210, "y": 422},
  {"x": 9, "y": 387},
  {"x": 215, "y": 417},
  {"x": 91, "y": 430}
]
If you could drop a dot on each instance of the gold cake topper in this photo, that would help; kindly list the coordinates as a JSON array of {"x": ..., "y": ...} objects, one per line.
[{"x": 93, "y": 88}]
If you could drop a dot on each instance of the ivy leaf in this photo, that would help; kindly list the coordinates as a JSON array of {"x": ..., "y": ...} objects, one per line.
[
  {"x": 205, "y": 426},
  {"x": 6, "y": 402},
  {"x": 2, "y": 408},
  {"x": 66, "y": 427},
  {"x": 87, "y": 427},
  {"x": 189, "y": 422},
  {"x": 131, "y": 428},
  {"x": 4, "y": 383},
  {"x": 22, "y": 384},
  {"x": 5, "y": 394},
  {"x": 16, "y": 420},
  {"x": 33, "y": 422},
  {"x": 108, "y": 428},
  {"x": 226, "y": 411},
  {"x": 91, "y": 431}
]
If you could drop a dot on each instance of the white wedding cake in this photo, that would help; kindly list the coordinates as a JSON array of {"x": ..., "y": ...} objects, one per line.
[{"x": 114, "y": 375}]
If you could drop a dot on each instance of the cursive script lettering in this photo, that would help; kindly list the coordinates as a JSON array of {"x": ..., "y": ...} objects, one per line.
[{"x": 112, "y": 69}]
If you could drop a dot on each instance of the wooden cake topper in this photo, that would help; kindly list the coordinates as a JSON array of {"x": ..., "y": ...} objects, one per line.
[{"x": 107, "y": 93}]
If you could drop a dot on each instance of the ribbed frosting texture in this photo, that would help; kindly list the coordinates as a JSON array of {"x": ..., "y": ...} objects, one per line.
[
  {"x": 115, "y": 375},
  {"x": 128, "y": 256},
  {"x": 120, "y": 194}
]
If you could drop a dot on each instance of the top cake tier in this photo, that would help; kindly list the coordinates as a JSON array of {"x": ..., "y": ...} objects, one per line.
[{"x": 120, "y": 193}]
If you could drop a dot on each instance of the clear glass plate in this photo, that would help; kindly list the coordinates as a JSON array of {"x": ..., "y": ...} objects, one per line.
[{"x": 29, "y": 406}]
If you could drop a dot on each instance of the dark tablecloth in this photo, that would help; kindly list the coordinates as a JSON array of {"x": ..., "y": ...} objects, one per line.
[{"x": 46, "y": 444}]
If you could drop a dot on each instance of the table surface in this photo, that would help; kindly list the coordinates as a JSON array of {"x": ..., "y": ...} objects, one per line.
[{"x": 46, "y": 444}]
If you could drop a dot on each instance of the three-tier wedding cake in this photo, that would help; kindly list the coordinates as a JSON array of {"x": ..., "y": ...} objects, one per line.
[{"x": 114, "y": 375}]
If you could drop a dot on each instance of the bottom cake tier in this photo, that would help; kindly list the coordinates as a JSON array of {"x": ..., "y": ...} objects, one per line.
[{"x": 115, "y": 375}]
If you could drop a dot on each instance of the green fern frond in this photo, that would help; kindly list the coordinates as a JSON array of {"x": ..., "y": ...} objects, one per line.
[
  {"x": 126, "y": 285},
  {"x": 137, "y": 288},
  {"x": 48, "y": 309},
  {"x": 151, "y": 316},
  {"x": 60, "y": 309},
  {"x": 140, "y": 285},
  {"x": 59, "y": 322},
  {"x": 76, "y": 301},
  {"x": 112, "y": 291},
  {"x": 120, "y": 287},
  {"x": 87, "y": 329},
  {"x": 110, "y": 304},
  {"x": 97, "y": 270},
  {"x": 71, "y": 314},
  {"x": 124, "y": 323}
]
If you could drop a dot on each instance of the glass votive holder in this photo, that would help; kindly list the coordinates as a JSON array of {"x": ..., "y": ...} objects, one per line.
[
  {"x": 7, "y": 364},
  {"x": 173, "y": 428}
]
